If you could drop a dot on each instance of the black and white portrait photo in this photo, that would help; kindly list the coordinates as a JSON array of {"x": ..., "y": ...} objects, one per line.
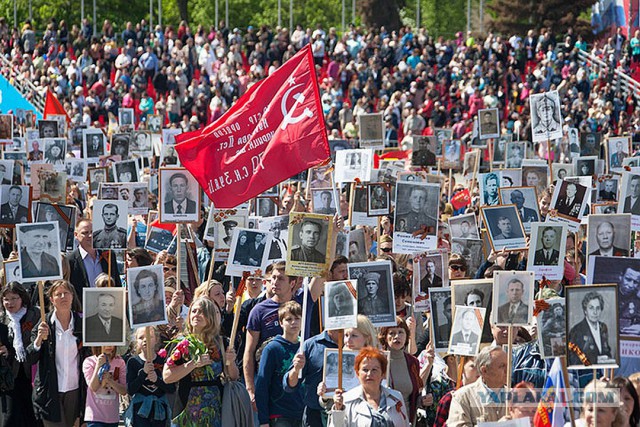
[
  {"x": 475, "y": 293},
  {"x": 323, "y": 201},
  {"x": 15, "y": 204},
  {"x": 378, "y": 199},
  {"x": 154, "y": 123},
  {"x": 618, "y": 149},
  {"x": 388, "y": 171},
  {"x": 169, "y": 136},
  {"x": 309, "y": 240},
  {"x": 12, "y": 272},
  {"x": 48, "y": 129},
  {"x": 358, "y": 208},
  {"x": 552, "y": 329},
  {"x": 146, "y": 296},
  {"x": 470, "y": 164},
  {"x": 630, "y": 196},
  {"x": 94, "y": 144},
  {"x": 451, "y": 154},
  {"x": 108, "y": 191},
  {"x": 51, "y": 184},
  {"x": 319, "y": 177},
  {"x": 76, "y": 136},
  {"x": 489, "y": 184},
  {"x": 590, "y": 143},
  {"x": 514, "y": 155},
  {"x": 546, "y": 117},
  {"x": 141, "y": 143},
  {"x": 464, "y": 226},
  {"x": 441, "y": 316},
  {"x": 432, "y": 271},
  {"x": 512, "y": 298},
  {"x": 592, "y": 322},
  {"x": 370, "y": 130},
  {"x": 585, "y": 165},
  {"x": 608, "y": 189},
  {"x": 504, "y": 227},
  {"x": 568, "y": 199},
  {"x": 266, "y": 206},
  {"x": 466, "y": 331},
  {"x": 357, "y": 246},
  {"x": 526, "y": 201},
  {"x": 499, "y": 148},
  {"x": 609, "y": 235},
  {"x": 249, "y": 251},
  {"x": 424, "y": 151},
  {"x": 110, "y": 224},
  {"x": 179, "y": 196},
  {"x": 120, "y": 145},
  {"x": 625, "y": 272},
  {"x": 169, "y": 156},
  {"x": 341, "y": 303},
  {"x": 416, "y": 211},
  {"x": 442, "y": 135},
  {"x": 126, "y": 118},
  {"x": 39, "y": 251},
  {"x": 330, "y": 371},
  {"x": 6, "y": 128},
  {"x": 55, "y": 151},
  {"x": 375, "y": 291},
  {"x": 96, "y": 176},
  {"x": 137, "y": 194},
  {"x": 352, "y": 164},
  {"x": 103, "y": 322},
  {"x": 489, "y": 123},
  {"x": 279, "y": 228},
  {"x": 220, "y": 229},
  {"x": 560, "y": 171},
  {"x": 7, "y": 172},
  {"x": 535, "y": 176},
  {"x": 76, "y": 169},
  {"x": 547, "y": 249},
  {"x": 64, "y": 215},
  {"x": 125, "y": 171}
]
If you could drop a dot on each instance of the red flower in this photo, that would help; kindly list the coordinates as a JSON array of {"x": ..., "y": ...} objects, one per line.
[{"x": 162, "y": 352}]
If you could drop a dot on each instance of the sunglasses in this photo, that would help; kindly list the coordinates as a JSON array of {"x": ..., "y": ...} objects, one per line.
[
  {"x": 457, "y": 267},
  {"x": 386, "y": 250}
]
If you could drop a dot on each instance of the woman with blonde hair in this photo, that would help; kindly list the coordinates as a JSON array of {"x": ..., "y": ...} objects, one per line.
[{"x": 195, "y": 382}]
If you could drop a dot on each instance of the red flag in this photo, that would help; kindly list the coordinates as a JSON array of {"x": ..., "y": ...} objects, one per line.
[
  {"x": 170, "y": 227},
  {"x": 53, "y": 107},
  {"x": 461, "y": 199},
  {"x": 273, "y": 132}
]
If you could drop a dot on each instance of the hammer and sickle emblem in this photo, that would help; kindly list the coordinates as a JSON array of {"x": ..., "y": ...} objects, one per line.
[{"x": 289, "y": 118}]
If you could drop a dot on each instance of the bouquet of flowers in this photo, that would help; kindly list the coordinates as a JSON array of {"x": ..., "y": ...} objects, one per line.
[{"x": 187, "y": 348}]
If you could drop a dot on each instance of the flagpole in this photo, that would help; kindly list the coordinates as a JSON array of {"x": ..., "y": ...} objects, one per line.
[
  {"x": 305, "y": 303},
  {"x": 509, "y": 365},
  {"x": 340, "y": 345},
  {"x": 565, "y": 378},
  {"x": 41, "y": 298},
  {"x": 595, "y": 399},
  {"x": 148, "y": 354}
]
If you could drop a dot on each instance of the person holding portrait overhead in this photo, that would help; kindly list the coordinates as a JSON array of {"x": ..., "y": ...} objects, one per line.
[
  {"x": 35, "y": 261},
  {"x": 547, "y": 255},
  {"x": 12, "y": 212},
  {"x": 178, "y": 189},
  {"x": 309, "y": 234},
  {"x": 515, "y": 310},
  {"x": 372, "y": 302},
  {"x": 605, "y": 237},
  {"x": 632, "y": 201},
  {"x": 149, "y": 306},
  {"x": 590, "y": 335}
]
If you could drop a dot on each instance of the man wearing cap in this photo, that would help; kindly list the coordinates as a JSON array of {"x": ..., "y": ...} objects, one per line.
[
  {"x": 12, "y": 212},
  {"x": 179, "y": 203},
  {"x": 309, "y": 234},
  {"x": 372, "y": 303},
  {"x": 229, "y": 225},
  {"x": 34, "y": 260},
  {"x": 112, "y": 236}
]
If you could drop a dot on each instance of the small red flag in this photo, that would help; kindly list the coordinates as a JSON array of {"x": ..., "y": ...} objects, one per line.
[
  {"x": 53, "y": 107},
  {"x": 170, "y": 227},
  {"x": 271, "y": 133},
  {"x": 461, "y": 199}
]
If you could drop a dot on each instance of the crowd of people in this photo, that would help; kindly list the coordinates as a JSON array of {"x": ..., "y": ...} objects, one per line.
[{"x": 189, "y": 77}]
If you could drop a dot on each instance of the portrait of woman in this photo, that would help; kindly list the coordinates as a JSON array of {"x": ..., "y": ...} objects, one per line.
[
  {"x": 54, "y": 153},
  {"x": 147, "y": 288}
]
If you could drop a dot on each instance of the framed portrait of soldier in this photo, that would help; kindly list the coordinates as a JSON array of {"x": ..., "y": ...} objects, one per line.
[
  {"x": 279, "y": 228},
  {"x": 625, "y": 272},
  {"x": 526, "y": 201},
  {"x": 76, "y": 169},
  {"x": 514, "y": 155},
  {"x": 76, "y": 135},
  {"x": 39, "y": 251},
  {"x": 352, "y": 164},
  {"x": 168, "y": 156},
  {"x": 249, "y": 251},
  {"x": 378, "y": 199},
  {"x": 475, "y": 293},
  {"x": 546, "y": 117},
  {"x": 451, "y": 154},
  {"x": 323, "y": 201},
  {"x": 629, "y": 201},
  {"x": 330, "y": 371},
  {"x": 6, "y": 128},
  {"x": 54, "y": 152},
  {"x": 126, "y": 118},
  {"x": 221, "y": 227},
  {"x": 504, "y": 227},
  {"x": 146, "y": 296},
  {"x": 340, "y": 305},
  {"x": 319, "y": 177},
  {"x": 416, "y": 217},
  {"x": 125, "y": 171},
  {"x": 547, "y": 249},
  {"x": 375, "y": 291},
  {"x": 266, "y": 206},
  {"x": 309, "y": 244},
  {"x": 137, "y": 194},
  {"x": 388, "y": 171},
  {"x": 154, "y": 123},
  {"x": 179, "y": 193},
  {"x": 94, "y": 144},
  {"x": 48, "y": 129},
  {"x": 110, "y": 224},
  {"x": 120, "y": 145},
  {"x": 592, "y": 323},
  {"x": 15, "y": 205},
  {"x": 590, "y": 143},
  {"x": 489, "y": 126},
  {"x": 424, "y": 151},
  {"x": 466, "y": 330},
  {"x": 567, "y": 203},
  {"x": 64, "y": 215},
  {"x": 618, "y": 149},
  {"x": 370, "y": 130},
  {"x": 604, "y": 208},
  {"x": 359, "y": 207},
  {"x": 103, "y": 320},
  {"x": 512, "y": 298},
  {"x": 464, "y": 226},
  {"x": 430, "y": 271},
  {"x": 96, "y": 176},
  {"x": 441, "y": 318},
  {"x": 609, "y": 235},
  {"x": 141, "y": 143},
  {"x": 552, "y": 332}
]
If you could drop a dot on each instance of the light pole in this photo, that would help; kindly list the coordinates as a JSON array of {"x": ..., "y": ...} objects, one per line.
[{"x": 280, "y": 13}]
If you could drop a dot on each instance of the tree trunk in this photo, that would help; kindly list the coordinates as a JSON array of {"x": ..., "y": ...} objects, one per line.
[
  {"x": 377, "y": 13},
  {"x": 184, "y": 10}
]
